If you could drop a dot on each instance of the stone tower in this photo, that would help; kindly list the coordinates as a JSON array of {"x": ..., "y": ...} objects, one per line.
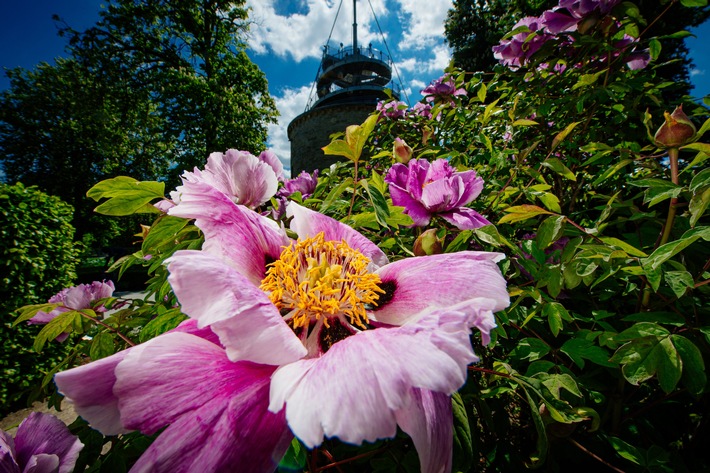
[{"x": 349, "y": 83}]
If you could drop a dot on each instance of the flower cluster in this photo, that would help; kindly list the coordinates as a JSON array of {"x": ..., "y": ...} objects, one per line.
[
  {"x": 316, "y": 336},
  {"x": 568, "y": 16}
]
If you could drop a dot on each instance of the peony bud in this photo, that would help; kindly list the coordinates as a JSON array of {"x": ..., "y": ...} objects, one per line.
[
  {"x": 402, "y": 152},
  {"x": 677, "y": 131},
  {"x": 428, "y": 244},
  {"x": 426, "y": 134}
]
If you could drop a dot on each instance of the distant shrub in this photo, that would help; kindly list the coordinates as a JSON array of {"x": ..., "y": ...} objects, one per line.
[{"x": 38, "y": 257}]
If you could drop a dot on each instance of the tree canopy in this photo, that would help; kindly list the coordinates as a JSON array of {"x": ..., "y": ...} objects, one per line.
[{"x": 152, "y": 88}]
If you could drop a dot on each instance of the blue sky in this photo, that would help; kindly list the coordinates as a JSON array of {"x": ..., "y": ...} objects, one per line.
[{"x": 286, "y": 40}]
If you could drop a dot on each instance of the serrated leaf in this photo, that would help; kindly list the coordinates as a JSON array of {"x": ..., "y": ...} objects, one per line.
[
  {"x": 522, "y": 212},
  {"x": 561, "y": 136}
]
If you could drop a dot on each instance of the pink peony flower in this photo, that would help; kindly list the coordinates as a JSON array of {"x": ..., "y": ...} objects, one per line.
[
  {"x": 426, "y": 189},
  {"x": 83, "y": 296},
  {"x": 248, "y": 180},
  {"x": 315, "y": 337},
  {"x": 442, "y": 89},
  {"x": 42, "y": 444},
  {"x": 392, "y": 109},
  {"x": 517, "y": 50}
]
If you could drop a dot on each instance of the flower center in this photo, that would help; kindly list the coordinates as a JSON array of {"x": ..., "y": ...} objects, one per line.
[{"x": 315, "y": 279}]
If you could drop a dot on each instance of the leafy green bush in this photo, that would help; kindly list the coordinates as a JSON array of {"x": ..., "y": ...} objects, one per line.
[{"x": 38, "y": 258}]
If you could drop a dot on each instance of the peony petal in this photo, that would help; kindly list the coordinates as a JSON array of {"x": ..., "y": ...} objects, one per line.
[
  {"x": 415, "y": 284},
  {"x": 90, "y": 389},
  {"x": 412, "y": 207},
  {"x": 355, "y": 389},
  {"x": 465, "y": 219},
  {"x": 307, "y": 223},
  {"x": 216, "y": 409},
  {"x": 270, "y": 158},
  {"x": 244, "y": 238},
  {"x": 8, "y": 462},
  {"x": 42, "y": 463},
  {"x": 44, "y": 435},
  {"x": 428, "y": 420},
  {"x": 247, "y": 322}
]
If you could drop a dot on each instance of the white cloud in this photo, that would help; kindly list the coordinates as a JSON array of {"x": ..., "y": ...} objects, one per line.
[
  {"x": 422, "y": 22},
  {"x": 290, "y": 104},
  {"x": 697, "y": 72},
  {"x": 300, "y": 35}
]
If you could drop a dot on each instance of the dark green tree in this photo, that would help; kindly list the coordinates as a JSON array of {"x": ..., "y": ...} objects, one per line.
[
  {"x": 63, "y": 129},
  {"x": 190, "y": 57}
]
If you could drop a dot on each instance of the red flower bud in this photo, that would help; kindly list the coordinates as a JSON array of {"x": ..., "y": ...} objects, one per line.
[
  {"x": 677, "y": 131},
  {"x": 402, "y": 152}
]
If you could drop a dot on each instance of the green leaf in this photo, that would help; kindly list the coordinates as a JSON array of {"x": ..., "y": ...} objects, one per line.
[
  {"x": 700, "y": 180},
  {"x": 555, "y": 382},
  {"x": 654, "y": 48},
  {"x": 163, "y": 232},
  {"x": 522, "y": 212},
  {"x": 664, "y": 252},
  {"x": 702, "y": 147},
  {"x": 679, "y": 281},
  {"x": 560, "y": 137},
  {"x": 658, "y": 190},
  {"x": 29, "y": 311},
  {"x": 62, "y": 323},
  {"x": 294, "y": 459},
  {"x": 694, "y": 3},
  {"x": 550, "y": 230},
  {"x": 580, "y": 349},
  {"x": 531, "y": 349},
  {"x": 694, "y": 377},
  {"x": 642, "y": 358},
  {"x": 333, "y": 195},
  {"x": 102, "y": 345},
  {"x": 460, "y": 242},
  {"x": 612, "y": 170},
  {"x": 555, "y": 313},
  {"x": 481, "y": 93},
  {"x": 126, "y": 195},
  {"x": 640, "y": 330},
  {"x": 339, "y": 148},
  {"x": 698, "y": 205},
  {"x": 161, "y": 324},
  {"x": 539, "y": 456},
  {"x": 525, "y": 122},
  {"x": 557, "y": 166},
  {"x": 588, "y": 79},
  {"x": 463, "y": 441},
  {"x": 626, "y": 450},
  {"x": 378, "y": 201},
  {"x": 631, "y": 250}
]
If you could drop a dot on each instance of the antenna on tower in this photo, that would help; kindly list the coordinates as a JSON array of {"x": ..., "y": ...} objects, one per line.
[{"x": 355, "y": 26}]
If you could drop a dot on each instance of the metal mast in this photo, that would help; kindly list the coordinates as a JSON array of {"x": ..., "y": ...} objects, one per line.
[{"x": 354, "y": 27}]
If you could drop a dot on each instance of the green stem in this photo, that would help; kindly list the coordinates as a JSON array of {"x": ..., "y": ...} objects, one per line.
[
  {"x": 668, "y": 226},
  {"x": 111, "y": 329}
]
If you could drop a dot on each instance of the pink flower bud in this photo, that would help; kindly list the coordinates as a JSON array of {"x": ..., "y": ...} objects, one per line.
[
  {"x": 402, "y": 152},
  {"x": 677, "y": 131}
]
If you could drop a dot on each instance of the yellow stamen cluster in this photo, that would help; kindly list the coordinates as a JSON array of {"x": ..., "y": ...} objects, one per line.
[{"x": 315, "y": 278}]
